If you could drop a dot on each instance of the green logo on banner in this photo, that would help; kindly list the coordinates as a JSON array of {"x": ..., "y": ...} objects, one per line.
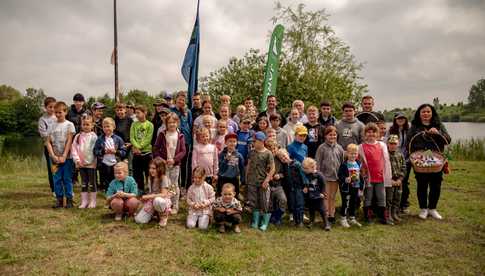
[{"x": 272, "y": 65}]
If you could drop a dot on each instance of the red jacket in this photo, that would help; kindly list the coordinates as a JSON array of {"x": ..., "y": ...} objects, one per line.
[{"x": 160, "y": 148}]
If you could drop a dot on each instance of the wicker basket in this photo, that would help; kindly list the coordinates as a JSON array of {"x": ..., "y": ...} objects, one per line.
[{"x": 418, "y": 158}]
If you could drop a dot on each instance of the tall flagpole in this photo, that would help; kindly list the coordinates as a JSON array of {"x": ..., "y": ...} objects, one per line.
[{"x": 117, "y": 90}]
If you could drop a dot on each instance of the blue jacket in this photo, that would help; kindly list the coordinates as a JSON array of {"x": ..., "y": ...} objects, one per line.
[
  {"x": 231, "y": 166},
  {"x": 119, "y": 146},
  {"x": 185, "y": 124},
  {"x": 295, "y": 177},
  {"x": 298, "y": 151},
  {"x": 244, "y": 141}
]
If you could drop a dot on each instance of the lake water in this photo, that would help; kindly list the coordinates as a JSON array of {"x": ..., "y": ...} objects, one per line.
[{"x": 458, "y": 131}]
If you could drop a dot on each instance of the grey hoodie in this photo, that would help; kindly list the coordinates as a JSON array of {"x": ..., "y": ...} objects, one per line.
[
  {"x": 349, "y": 132},
  {"x": 329, "y": 158}
]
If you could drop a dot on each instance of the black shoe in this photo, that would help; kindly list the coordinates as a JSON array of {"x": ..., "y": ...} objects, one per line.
[
  {"x": 331, "y": 220},
  {"x": 68, "y": 203},
  {"x": 59, "y": 203}
]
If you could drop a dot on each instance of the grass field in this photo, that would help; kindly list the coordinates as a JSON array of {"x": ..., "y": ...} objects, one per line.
[{"x": 35, "y": 239}]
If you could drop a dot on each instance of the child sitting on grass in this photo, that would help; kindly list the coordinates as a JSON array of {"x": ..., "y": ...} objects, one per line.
[
  {"x": 58, "y": 145},
  {"x": 85, "y": 161},
  {"x": 315, "y": 190},
  {"x": 122, "y": 192},
  {"x": 158, "y": 197},
  {"x": 227, "y": 209},
  {"x": 351, "y": 186},
  {"x": 200, "y": 197}
]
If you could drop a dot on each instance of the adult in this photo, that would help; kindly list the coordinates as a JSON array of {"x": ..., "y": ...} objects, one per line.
[
  {"x": 300, "y": 106},
  {"x": 185, "y": 117},
  {"x": 206, "y": 110},
  {"x": 161, "y": 110},
  {"x": 427, "y": 133},
  {"x": 196, "y": 105},
  {"x": 225, "y": 114},
  {"x": 272, "y": 108},
  {"x": 400, "y": 127},
  {"x": 76, "y": 111},
  {"x": 349, "y": 129},
  {"x": 368, "y": 115},
  {"x": 168, "y": 99},
  {"x": 326, "y": 118}
]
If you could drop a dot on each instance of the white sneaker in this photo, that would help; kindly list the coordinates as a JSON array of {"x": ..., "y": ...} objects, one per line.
[
  {"x": 353, "y": 221},
  {"x": 118, "y": 217},
  {"x": 423, "y": 214},
  {"x": 433, "y": 213},
  {"x": 344, "y": 223},
  {"x": 305, "y": 218},
  {"x": 290, "y": 217}
]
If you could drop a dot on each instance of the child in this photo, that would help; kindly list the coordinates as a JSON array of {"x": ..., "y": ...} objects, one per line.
[
  {"x": 398, "y": 168},
  {"x": 170, "y": 146},
  {"x": 240, "y": 113},
  {"x": 205, "y": 155},
  {"x": 315, "y": 190},
  {"x": 297, "y": 149},
  {"x": 260, "y": 170},
  {"x": 158, "y": 197},
  {"x": 296, "y": 181},
  {"x": 108, "y": 147},
  {"x": 315, "y": 131},
  {"x": 244, "y": 137},
  {"x": 141, "y": 137},
  {"x": 262, "y": 124},
  {"x": 329, "y": 157},
  {"x": 200, "y": 197},
  {"x": 225, "y": 113},
  {"x": 122, "y": 192},
  {"x": 227, "y": 209},
  {"x": 271, "y": 134},
  {"x": 123, "y": 123},
  {"x": 231, "y": 165},
  {"x": 326, "y": 118},
  {"x": 219, "y": 140},
  {"x": 85, "y": 161},
  {"x": 281, "y": 134},
  {"x": 278, "y": 196},
  {"x": 45, "y": 123},
  {"x": 293, "y": 121},
  {"x": 209, "y": 124},
  {"x": 382, "y": 130},
  {"x": 377, "y": 172},
  {"x": 97, "y": 110},
  {"x": 58, "y": 145},
  {"x": 349, "y": 129},
  {"x": 351, "y": 186}
]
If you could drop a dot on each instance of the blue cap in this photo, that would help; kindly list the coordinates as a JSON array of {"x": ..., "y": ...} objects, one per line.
[{"x": 260, "y": 136}]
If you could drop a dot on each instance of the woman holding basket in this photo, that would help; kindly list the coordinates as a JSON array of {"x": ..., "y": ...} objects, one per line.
[{"x": 427, "y": 138}]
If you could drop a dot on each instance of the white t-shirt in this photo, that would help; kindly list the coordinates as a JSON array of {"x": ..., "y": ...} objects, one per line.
[
  {"x": 109, "y": 159},
  {"x": 58, "y": 133},
  {"x": 172, "y": 138}
]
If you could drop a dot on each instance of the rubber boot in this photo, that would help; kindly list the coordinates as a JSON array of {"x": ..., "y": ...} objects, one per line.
[
  {"x": 84, "y": 200},
  {"x": 255, "y": 223},
  {"x": 59, "y": 203},
  {"x": 276, "y": 216},
  {"x": 368, "y": 215},
  {"x": 394, "y": 214},
  {"x": 92, "y": 200},
  {"x": 265, "y": 221},
  {"x": 68, "y": 203},
  {"x": 387, "y": 217}
]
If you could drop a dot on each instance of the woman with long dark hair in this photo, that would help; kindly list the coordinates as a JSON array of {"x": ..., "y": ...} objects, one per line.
[
  {"x": 429, "y": 134},
  {"x": 400, "y": 127}
]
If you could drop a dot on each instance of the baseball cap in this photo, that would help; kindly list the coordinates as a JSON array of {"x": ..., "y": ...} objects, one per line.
[
  {"x": 260, "y": 136},
  {"x": 158, "y": 102},
  {"x": 78, "y": 97},
  {"x": 301, "y": 130},
  {"x": 399, "y": 115},
  {"x": 98, "y": 105}
]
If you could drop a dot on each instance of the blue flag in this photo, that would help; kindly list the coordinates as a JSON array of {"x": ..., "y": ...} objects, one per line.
[{"x": 190, "y": 67}]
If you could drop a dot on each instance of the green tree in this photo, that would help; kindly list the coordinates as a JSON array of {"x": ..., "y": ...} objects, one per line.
[
  {"x": 9, "y": 94},
  {"x": 315, "y": 64},
  {"x": 27, "y": 111},
  {"x": 476, "y": 97}
]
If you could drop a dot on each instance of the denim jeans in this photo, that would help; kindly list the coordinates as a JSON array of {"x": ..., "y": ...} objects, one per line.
[
  {"x": 297, "y": 201},
  {"x": 63, "y": 179}
]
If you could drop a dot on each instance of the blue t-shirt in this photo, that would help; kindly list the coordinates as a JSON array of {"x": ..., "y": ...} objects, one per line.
[{"x": 354, "y": 173}]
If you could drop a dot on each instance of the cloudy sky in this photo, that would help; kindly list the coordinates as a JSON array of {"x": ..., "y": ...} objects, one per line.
[{"x": 413, "y": 50}]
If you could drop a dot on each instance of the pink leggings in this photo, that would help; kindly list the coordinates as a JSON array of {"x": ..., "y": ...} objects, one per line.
[{"x": 129, "y": 205}]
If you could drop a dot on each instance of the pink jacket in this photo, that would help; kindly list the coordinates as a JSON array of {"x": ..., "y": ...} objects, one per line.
[
  {"x": 83, "y": 149},
  {"x": 209, "y": 198},
  {"x": 387, "y": 164},
  {"x": 206, "y": 156}
]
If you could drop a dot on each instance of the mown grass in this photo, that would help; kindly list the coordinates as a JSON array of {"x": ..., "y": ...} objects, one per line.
[{"x": 35, "y": 239}]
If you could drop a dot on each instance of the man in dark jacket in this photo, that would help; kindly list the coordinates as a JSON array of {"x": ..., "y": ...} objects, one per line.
[
  {"x": 76, "y": 111},
  {"x": 272, "y": 103},
  {"x": 367, "y": 115}
]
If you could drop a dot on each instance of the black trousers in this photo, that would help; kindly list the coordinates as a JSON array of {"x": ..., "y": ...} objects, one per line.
[
  {"x": 405, "y": 187},
  {"x": 223, "y": 180},
  {"x": 234, "y": 219},
  {"x": 140, "y": 170},
  {"x": 350, "y": 201},
  {"x": 106, "y": 175},
  {"x": 316, "y": 205},
  {"x": 49, "y": 168},
  {"x": 88, "y": 179},
  {"x": 431, "y": 182},
  {"x": 186, "y": 168}
]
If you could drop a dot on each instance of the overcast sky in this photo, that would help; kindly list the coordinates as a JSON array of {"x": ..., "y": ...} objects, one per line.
[{"x": 413, "y": 50}]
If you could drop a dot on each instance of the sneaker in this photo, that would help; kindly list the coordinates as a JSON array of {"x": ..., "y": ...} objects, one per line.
[
  {"x": 305, "y": 218},
  {"x": 237, "y": 229},
  {"x": 290, "y": 217},
  {"x": 344, "y": 223},
  {"x": 423, "y": 214},
  {"x": 327, "y": 227},
  {"x": 405, "y": 210},
  {"x": 118, "y": 217},
  {"x": 353, "y": 221},
  {"x": 163, "y": 221},
  {"x": 434, "y": 214}
]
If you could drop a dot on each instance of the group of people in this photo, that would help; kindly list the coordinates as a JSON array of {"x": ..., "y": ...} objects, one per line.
[{"x": 221, "y": 163}]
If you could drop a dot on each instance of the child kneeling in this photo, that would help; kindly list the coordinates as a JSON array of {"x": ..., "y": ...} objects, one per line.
[
  {"x": 200, "y": 197},
  {"x": 122, "y": 191},
  {"x": 158, "y": 198},
  {"x": 227, "y": 209}
]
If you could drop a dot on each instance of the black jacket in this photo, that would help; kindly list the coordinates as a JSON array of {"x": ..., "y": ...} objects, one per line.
[
  {"x": 343, "y": 173},
  {"x": 123, "y": 128},
  {"x": 424, "y": 140},
  {"x": 75, "y": 117},
  {"x": 316, "y": 185}
]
